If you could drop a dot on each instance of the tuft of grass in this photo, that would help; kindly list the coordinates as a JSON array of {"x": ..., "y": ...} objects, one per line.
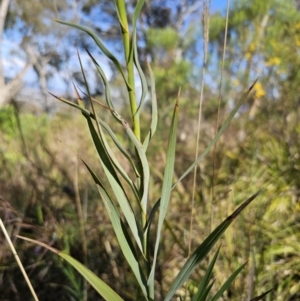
[{"x": 136, "y": 219}]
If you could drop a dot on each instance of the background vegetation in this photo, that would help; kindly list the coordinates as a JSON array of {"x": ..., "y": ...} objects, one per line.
[{"x": 42, "y": 181}]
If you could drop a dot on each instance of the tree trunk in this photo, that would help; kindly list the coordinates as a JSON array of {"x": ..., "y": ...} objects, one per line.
[{"x": 9, "y": 90}]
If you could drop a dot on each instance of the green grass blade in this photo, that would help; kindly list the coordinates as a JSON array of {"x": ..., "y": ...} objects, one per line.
[
  {"x": 115, "y": 184},
  {"x": 137, "y": 12},
  {"x": 104, "y": 79},
  {"x": 227, "y": 283},
  {"x": 205, "y": 280},
  {"x": 200, "y": 253},
  {"x": 166, "y": 192},
  {"x": 111, "y": 173},
  {"x": 142, "y": 160},
  {"x": 120, "y": 147},
  {"x": 72, "y": 104},
  {"x": 260, "y": 297},
  {"x": 102, "y": 47},
  {"x": 223, "y": 128},
  {"x": 87, "y": 114},
  {"x": 88, "y": 91},
  {"x": 100, "y": 286},
  {"x": 101, "y": 150},
  {"x": 206, "y": 292},
  {"x": 119, "y": 230},
  {"x": 121, "y": 233},
  {"x": 151, "y": 215},
  {"x": 141, "y": 75},
  {"x": 114, "y": 160},
  {"x": 216, "y": 138},
  {"x": 134, "y": 52},
  {"x": 154, "y": 117}
]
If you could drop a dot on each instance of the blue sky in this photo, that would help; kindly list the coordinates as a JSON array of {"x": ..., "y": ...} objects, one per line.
[
  {"x": 218, "y": 5},
  {"x": 14, "y": 62}
]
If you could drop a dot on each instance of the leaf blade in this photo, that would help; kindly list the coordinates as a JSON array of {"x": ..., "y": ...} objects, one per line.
[
  {"x": 116, "y": 185},
  {"x": 200, "y": 253},
  {"x": 100, "y": 44},
  {"x": 99, "y": 285},
  {"x": 154, "y": 114},
  {"x": 225, "y": 286},
  {"x": 166, "y": 191},
  {"x": 121, "y": 233},
  {"x": 205, "y": 280}
]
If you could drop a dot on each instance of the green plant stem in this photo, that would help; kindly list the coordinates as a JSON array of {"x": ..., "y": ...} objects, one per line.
[
  {"x": 120, "y": 4},
  {"x": 129, "y": 65}
]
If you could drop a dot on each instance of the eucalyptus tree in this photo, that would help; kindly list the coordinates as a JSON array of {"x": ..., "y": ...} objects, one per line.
[{"x": 30, "y": 28}]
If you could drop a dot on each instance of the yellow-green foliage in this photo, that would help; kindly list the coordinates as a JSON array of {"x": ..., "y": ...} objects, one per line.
[{"x": 162, "y": 38}]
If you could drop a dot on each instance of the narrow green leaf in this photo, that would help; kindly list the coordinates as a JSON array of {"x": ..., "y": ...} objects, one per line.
[
  {"x": 115, "y": 184},
  {"x": 221, "y": 131},
  {"x": 105, "y": 160},
  {"x": 121, "y": 233},
  {"x": 102, "y": 47},
  {"x": 134, "y": 52},
  {"x": 227, "y": 283},
  {"x": 114, "y": 160},
  {"x": 261, "y": 296},
  {"x": 143, "y": 161},
  {"x": 104, "y": 79},
  {"x": 205, "y": 280},
  {"x": 122, "y": 150},
  {"x": 166, "y": 191},
  {"x": 100, "y": 286},
  {"x": 151, "y": 215},
  {"x": 137, "y": 12},
  {"x": 72, "y": 104},
  {"x": 87, "y": 114},
  {"x": 141, "y": 75},
  {"x": 206, "y": 291},
  {"x": 216, "y": 138},
  {"x": 154, "y": 117},
  {"x": 101, "y": 150},
  {"x": 200, "y": 253},
  {"x": 122, "y": 239},
  {"x": 88, "y": 91}
]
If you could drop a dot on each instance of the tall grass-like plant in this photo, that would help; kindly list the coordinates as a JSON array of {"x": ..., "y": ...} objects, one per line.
[{"x": 131, "y": 213}]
